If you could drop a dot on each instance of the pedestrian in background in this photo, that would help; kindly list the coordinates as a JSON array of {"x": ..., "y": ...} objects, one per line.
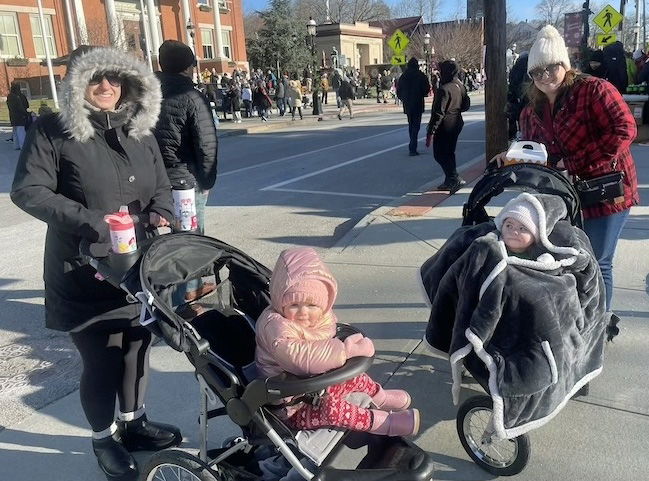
[
  {"x": 446, "y": 123},
  {"x": 295, "y": 95},
  {"x": 76, "y": 166},
  {"x": 261, "y": 101},
  {"x": 246, "y": 96},
  {"x": 187, "y": 138},
  {"x": 588, "y": 129},
  {"x": 19, "y": 115},
  {"x": 280, "y": 96},
  {"x": 336, "y": 80},
  {"x": 412, "y": 88},
  {"x": 235, "y": 101},
  {"x": 324, "y": 84},
  {"x": 385, "y": 84},
  {"x": 346, "y": 93}
]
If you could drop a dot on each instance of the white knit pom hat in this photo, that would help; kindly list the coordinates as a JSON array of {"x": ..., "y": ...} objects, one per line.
[
  {"x": 523, "y": 211},
  {"x": 548, "y": 48}
]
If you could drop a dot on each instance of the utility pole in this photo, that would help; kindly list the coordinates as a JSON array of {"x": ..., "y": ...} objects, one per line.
[
  {"x": 636, "y": 27},
  {"x": 623, "y": 22},
  {"x": 496, "y": 85},
  {"x": 586, "y": 35}
]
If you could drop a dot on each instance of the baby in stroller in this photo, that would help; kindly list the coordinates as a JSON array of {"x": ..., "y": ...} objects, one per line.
[
  {"x": 519, "y": 303},
  {"x": 295, "y": 334}
]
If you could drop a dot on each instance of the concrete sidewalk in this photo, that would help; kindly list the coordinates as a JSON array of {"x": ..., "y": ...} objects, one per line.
[{"x": 598, "y": 437}]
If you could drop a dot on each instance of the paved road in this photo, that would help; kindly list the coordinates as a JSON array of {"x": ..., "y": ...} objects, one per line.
[
  {"x": 311, "y": 186},
  {"x": 308, "y": 185}
]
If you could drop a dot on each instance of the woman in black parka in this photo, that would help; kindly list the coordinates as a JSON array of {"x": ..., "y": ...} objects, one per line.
[
  {"x": 95, "y": 155},
  {"x": 446, "y": 122}
]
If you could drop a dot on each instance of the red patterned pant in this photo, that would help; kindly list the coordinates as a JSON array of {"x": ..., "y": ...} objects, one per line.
[{"x": 334, "y": 411}]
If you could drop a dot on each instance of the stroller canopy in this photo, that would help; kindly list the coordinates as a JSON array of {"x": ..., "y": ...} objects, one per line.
[
  {"x": 532, "y": 178},
  {"x": 174, "y": 259}
]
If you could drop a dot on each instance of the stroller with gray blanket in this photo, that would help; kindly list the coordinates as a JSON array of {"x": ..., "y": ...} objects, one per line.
[
  {"x": 220, "y": 343},
  {"x": 528, "y": 328}
]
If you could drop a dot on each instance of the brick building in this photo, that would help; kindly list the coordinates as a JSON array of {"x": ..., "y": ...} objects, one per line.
[{"x": 122, "y": 23}]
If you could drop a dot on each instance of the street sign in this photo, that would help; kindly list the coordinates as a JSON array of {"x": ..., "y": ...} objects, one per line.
[
  {"x": 398, "y": 60},
  {"x": 398, "y": 41},
  {"x": 608, "y": 18},
  {"x": 604, "y": 39}
]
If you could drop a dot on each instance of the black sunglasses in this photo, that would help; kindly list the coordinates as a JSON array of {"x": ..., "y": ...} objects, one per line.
[{"x": 113, "y": 78}]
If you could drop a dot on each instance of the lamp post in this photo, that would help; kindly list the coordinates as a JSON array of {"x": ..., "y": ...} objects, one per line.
[
  {"x": 427, "y": 54},
  {"x": 317, "y": 106}
]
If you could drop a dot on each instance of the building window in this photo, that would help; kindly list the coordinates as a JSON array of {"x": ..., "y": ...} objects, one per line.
[
  {"x": 38, "y": 35},
  {"x": 206, "y": 41},
  {"x": 223, "y": 5},
  {"x": 9, "y": 36},
  {"x": 206, "y": 3},
  {"x": 227, "y": 43}
]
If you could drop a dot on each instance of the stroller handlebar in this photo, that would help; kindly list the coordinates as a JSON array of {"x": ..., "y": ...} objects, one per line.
[{"x": 286, "y": 385}]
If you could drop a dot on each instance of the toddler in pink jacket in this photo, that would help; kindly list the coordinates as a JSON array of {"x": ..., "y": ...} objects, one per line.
[{"x": 295, "y": 334}]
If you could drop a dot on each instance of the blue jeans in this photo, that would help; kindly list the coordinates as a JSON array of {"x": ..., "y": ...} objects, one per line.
[
  {"x": 281, "y": 105},
  {"x": 603, "y": 233},
  {"x": 200, "y": 201}
]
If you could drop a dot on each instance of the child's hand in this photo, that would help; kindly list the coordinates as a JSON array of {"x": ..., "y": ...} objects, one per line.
[{"x": 357, "y": 345}]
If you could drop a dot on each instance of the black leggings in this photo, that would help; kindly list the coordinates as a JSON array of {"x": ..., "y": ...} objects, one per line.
[{"x": 115, "y": 362}]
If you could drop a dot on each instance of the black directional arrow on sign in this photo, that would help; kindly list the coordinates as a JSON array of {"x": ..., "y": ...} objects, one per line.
[{"x": 606, "y": 39}]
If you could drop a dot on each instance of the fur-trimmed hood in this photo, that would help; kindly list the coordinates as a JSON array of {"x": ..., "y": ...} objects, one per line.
[{"x": 141, "y": 94}]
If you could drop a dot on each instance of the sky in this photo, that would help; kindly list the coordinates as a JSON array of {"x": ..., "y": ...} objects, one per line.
[{"x": 523, "y": 9}]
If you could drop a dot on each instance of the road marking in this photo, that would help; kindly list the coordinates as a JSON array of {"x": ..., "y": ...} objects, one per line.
[
  {"x": 343, "y": 194},
  {"x": 295, "y": 156},
  {"x": 343, "y": 164}
]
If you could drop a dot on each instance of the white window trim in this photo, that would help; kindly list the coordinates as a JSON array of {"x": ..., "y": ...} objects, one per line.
[
  {"x": 43, "y": 36},
  {"x": 227, "y": 46},
  {"x": 211, "y": 44},
  {"x": 18, "y": 36},
  {"x": 19, "y": 9}
]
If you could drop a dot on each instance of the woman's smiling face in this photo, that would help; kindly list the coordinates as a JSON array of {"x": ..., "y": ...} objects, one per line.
[{"x": 104, "y": 91}]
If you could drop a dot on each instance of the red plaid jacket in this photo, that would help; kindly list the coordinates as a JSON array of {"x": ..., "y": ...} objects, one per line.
[{"x": 591, "y": 128}]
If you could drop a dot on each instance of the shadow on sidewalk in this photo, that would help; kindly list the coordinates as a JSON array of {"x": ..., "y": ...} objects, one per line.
[{"x": 37, "y": 365}]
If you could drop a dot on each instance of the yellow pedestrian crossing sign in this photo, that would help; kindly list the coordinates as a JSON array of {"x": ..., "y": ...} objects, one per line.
[
  {"x": 398, "y": 60},
  {"x": 604, "y": 39},
  {"x": 608, "y": 18},
  {"x": 398, "y": 41}
]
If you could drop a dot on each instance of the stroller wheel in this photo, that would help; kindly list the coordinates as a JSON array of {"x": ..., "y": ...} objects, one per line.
[
  {"x": 501, "y": 457},
  {"x": 177, "y": 465}
]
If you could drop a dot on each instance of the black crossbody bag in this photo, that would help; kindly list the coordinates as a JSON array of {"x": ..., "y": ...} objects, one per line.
[{"x": 605, "y": 188}]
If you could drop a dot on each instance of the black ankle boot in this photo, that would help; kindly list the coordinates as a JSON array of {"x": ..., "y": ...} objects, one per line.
[
  {"x": 144, "y": 435},
  {"x": 114, "y": 460}
]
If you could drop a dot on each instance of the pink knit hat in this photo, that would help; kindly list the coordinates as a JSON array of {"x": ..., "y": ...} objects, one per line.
[{"x": 308, "y": 290}]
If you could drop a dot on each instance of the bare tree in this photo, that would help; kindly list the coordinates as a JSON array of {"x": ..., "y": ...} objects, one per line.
[
  {"x": 252, "y": 24},
  {"x": 461, "y": 40},
  {"x": 342, "y": 11},
  {"x": 428, "y": 9},
  {"x": 552, "y": 11}
]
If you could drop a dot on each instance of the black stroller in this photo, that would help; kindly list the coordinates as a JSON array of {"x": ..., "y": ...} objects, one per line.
[
  {"x": 503, "y": 457},
  {"x": 220, "y": 343}
]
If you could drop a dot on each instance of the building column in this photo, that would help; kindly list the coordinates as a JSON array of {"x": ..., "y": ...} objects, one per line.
[
  {"x": 152, "y": 14},
  {"x": 115, "y": 29},
  {"x": 188, "y": 25},
  {"x": 218, "y": 31},
  {"x": 81, "y": 22},
  {"x": 71, "y": 31}
]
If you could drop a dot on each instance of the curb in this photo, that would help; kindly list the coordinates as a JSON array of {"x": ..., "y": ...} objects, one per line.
[
  {"x": 411, "y": 205},
  {"x": 230, "y": 132}
]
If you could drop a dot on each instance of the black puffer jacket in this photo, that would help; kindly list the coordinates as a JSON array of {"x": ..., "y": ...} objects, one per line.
[
  {"x": 186, "y": 132},
  {"x": 77, "y": 166}
]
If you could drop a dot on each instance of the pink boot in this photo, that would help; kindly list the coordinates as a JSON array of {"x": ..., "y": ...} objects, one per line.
[
  {"x": 392, "y": 399},
  {"x": 399, "y": 423}
]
